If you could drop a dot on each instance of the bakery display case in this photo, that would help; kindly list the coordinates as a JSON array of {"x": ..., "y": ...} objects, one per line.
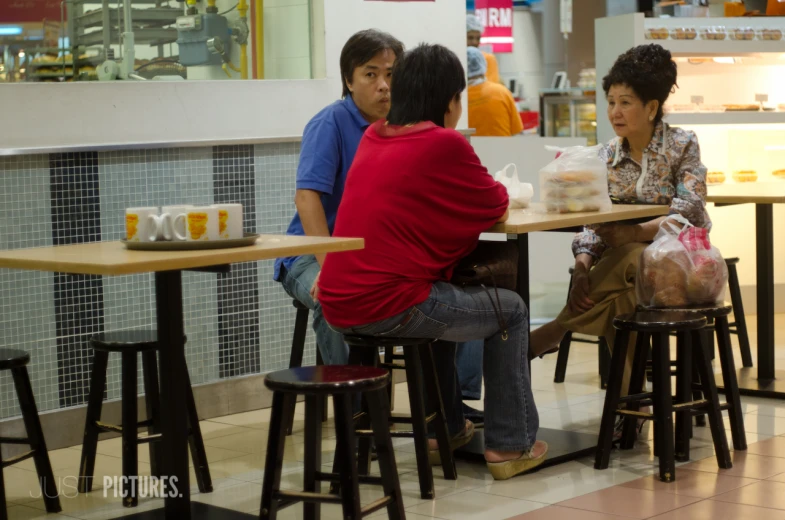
[{"x": 568, "y": 113}]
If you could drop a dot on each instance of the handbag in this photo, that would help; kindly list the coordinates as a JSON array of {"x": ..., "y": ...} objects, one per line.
[{"x": 493, "y": 264}]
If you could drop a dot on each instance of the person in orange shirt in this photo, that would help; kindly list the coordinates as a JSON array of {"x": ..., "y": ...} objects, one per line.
[
  {"x": 474, "y": 30},
  {"x": 492, "y": 109}
]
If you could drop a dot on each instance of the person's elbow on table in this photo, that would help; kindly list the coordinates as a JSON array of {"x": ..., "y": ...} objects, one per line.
[{"x": 506, "y": 216}]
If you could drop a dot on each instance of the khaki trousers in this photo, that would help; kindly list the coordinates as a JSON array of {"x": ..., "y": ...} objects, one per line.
[{"x": 612, "y": 289}]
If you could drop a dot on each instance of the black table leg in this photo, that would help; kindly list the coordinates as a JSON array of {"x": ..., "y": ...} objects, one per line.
[
  {"x": 523, "y": 268},
  {"x": 764, "y": 231}
]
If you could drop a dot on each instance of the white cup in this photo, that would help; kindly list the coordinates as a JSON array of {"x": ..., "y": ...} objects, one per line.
[
  {"x": 230, "y": 220},
  {"x": 165, "y": 222},
  {"x": 140, "y": 224},
  {"x": 201, "y": 224}
]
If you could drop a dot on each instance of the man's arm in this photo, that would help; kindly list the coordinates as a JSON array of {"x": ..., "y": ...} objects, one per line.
[{"x": 311, "y": 211}]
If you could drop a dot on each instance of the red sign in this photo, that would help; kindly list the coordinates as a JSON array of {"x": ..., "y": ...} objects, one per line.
[
  {"x": 496, "y": 16},
  {"x": 25, "y": 11}
]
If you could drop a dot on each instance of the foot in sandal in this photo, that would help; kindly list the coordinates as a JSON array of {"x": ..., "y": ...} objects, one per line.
[
  {"x": 545, "y": 339},
  {"x": 507, "y": 464},
  {"x": 457, "y": 441}
]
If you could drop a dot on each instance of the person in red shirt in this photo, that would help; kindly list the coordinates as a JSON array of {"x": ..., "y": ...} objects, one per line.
[{"x": 420, "y": 197}]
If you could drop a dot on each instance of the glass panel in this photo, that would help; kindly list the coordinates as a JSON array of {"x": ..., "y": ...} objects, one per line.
[{"x": 160, "y": 39}]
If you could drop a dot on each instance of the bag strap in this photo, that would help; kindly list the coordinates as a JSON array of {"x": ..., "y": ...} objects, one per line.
[
  {"x": 498, "y": 312},
  {"x": 677, "y": 218}
]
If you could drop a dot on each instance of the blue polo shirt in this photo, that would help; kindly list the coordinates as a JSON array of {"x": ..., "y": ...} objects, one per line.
[{"x": 330, "y": 141}]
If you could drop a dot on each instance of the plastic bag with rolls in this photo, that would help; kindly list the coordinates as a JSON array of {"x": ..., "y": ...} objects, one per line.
[
  {"x": 681, "y": 268},
  {"x": 520, "y": 193},
  {"x": 577, "y": 180}
]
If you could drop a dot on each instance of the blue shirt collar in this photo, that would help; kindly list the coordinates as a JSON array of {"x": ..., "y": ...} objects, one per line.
[{"x": 355, "y": 112}]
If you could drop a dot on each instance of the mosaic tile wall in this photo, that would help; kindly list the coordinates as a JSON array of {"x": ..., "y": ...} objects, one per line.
[{"x": 237, "y": 324}]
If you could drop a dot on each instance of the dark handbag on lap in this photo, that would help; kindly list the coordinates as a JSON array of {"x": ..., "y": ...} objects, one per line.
[{"x": 491, "y": 264}]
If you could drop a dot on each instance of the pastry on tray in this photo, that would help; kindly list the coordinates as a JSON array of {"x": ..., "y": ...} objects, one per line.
[
  {"x": 753, "y": 107},
  {"x": 780, "y": 174},
  {"x": 745, "y": 176},
  {"x": 715, "y": 177}
]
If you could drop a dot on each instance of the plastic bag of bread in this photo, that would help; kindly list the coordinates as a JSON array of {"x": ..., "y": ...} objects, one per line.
[
  {"x": 577, "y": 180},
  {"x": 520, "y": 193},
  {"x": 680, "y": 268}
]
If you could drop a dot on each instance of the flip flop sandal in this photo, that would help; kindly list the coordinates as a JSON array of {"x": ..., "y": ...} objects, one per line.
[
  {"x": 459, "y": 440},
  {"x": 526, "y": 462}
]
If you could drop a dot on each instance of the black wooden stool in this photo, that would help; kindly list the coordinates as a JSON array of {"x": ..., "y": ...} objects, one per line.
[
  {"x": 739, "y": 325},
  {"x": 343, "y": 382},
  {"x": 603, "y": 352},
  {"x": 296, "y": 356},
  {"x": 129, "y": 343},
  {"x": 16, "y": 361},
  {"x": 690, "y": 345},
  {"x": 422, "y": 381}
]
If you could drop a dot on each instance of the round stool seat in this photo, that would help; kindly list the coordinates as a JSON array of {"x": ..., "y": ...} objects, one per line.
[
  {"x": 125, "y": 340},
  {"x": 328, "y": 379},
  {"x": 299, "y": 305},
  {"x": 731, "y": 261},
  {"x": 13, "y": 358},
  {"x": 710, "y": 311},
  {"x": 384, "y": 341},
  {"x": 659, "y": 321}
]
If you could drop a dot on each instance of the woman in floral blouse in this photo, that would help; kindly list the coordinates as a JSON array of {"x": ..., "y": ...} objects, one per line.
[{"x": 648, "y": 162}]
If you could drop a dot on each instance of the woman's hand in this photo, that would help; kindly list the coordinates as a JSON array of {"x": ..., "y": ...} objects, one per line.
[
  {"x": 617, "y": 235},
  {"x": 579, "y": 301}
]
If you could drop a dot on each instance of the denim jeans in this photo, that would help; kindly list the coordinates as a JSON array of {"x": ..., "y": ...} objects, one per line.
[
  {"x": 468, "y": 360},
  {"x": 454, "y": 314},
  {"x": 297, "y": 282}
]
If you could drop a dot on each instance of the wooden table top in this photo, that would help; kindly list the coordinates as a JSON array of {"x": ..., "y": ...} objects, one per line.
[
  {"x": 534, "y": 218},
  {"x": 112, "y": 258},
  {"x": 748, "y": 193}
]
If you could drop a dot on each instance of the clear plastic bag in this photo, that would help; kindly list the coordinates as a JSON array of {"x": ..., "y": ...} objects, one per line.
[
  {"x": 577, "y": 180},
  {"x": 681, "y": 268},
  {"x": 520, "y": 193}
]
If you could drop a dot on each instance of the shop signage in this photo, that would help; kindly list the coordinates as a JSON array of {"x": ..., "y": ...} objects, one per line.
[
  {"x": 25, "y": 11},
  {"x": 496, "y": 16}
]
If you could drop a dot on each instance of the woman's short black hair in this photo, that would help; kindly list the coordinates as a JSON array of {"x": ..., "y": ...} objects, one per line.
[
  {"x": 648, "y": 70},
  {"x": 361, "y": 48},
  {"x": 425, "y": 80}
]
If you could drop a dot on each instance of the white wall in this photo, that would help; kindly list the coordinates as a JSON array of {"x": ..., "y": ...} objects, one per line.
[{"x": 524, "y": 64}]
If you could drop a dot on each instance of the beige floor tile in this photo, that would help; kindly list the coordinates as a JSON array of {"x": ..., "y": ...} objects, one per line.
[
  {"x": 29, "y": 513},
  {"x": 22, "y": 486},
  {"x": 214, "y": 430},
  {"x": 712, "y": 510},
  {"x": 553, "y": 512},
  {"x": 773, "y": 447},
  {"x": 635, "y": 503},
  {"x": 744, "y": 465},
  {"x": 696, "y": 484},
  {"x": 472, "y": 505},
  {"x": 765, "y": 493},
  {"x": 113, "y": 448},
  {"x": 257, "y": 419},
  {"x": 59, "y": 459}
]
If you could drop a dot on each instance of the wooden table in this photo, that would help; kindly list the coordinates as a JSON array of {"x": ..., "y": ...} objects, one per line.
[
  {"x": 769, "y": 381},
  {"x": 112, "y": 259},
  {"x": 563, "y": 446}
]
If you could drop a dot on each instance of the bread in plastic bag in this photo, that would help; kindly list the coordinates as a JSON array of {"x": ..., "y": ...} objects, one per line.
[
  {"x": 681, "y": 268},
  {"x": 577, "y": 180},
  {"x": 520, "y": 193}
]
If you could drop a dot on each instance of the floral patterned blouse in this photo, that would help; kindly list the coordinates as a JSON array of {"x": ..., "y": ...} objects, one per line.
[{"x": 671, "y": 173}]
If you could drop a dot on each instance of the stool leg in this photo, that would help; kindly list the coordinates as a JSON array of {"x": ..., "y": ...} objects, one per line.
[
  {"x": 637, "y": 382},
  {"x": 95, "y": 400},
  {"x": 710, "y": 393},
  {"x": 195, "y": 440},
  {"x": 605, "y": 440},
  {"x": 296, "y": 357},
  {"x": 35, "y": 436},
  {"x": 320, "y": 362},
  {"x": 380, "y": 418},
  {"x": 697, "y": 395},
  {"x": 663, "y": 405},
  {"x": 735, "y": 415},
  {"x": 738, "y": 316},
  {"x": 388, "y": 360},
  {"x": 313, "y": 453},
  {"x": 684, "y": 394},
  {"x": 273, "y": 463},
  {"x": 152, "y": 400},
  {"x": 563, "y": 357},
  {"x": 130, "y": 430},
  {"x": 368, "y": 357},
  {"x": 604, "y": 354},
  {"x": 419, "y": 428},
  {"x": 436, "y": 405},
  {"x": 3, "y": 510},
  {"x": 344, "y": 429}
]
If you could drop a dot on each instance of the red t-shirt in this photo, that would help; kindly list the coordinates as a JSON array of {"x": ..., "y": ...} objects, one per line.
[{"x": 420, "y": 197}]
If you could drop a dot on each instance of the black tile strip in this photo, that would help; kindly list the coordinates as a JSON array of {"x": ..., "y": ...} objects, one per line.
[
  {"x": 78, "y": 299},
  {"x": 238, "y": 291}
]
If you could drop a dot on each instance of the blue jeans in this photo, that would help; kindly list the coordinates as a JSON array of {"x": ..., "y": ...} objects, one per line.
[
  {"x": 454, "y": 314},
  {"x": 297, "y": 282},
  {"x": 468, "y": 360}
]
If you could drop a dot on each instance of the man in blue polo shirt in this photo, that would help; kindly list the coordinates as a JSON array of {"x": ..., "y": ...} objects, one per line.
[{"x": 329, "y": 143}]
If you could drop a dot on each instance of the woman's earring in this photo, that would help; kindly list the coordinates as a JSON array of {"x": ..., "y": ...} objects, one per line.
[{"x": 651, "y": 118}]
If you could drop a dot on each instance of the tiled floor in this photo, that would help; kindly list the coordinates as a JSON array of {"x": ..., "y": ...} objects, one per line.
[{"x": 754, "y": 488}]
